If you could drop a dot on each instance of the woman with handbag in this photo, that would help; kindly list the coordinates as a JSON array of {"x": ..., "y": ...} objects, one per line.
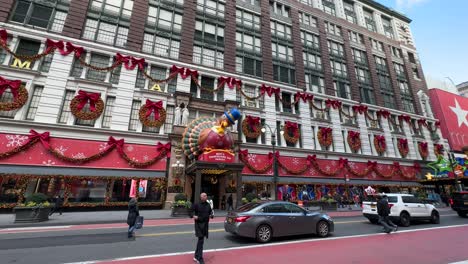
[{"x": 133, "y": 213}]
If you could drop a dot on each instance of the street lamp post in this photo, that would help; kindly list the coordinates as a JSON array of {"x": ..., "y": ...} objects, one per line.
[{"x": 275, "y": 163}]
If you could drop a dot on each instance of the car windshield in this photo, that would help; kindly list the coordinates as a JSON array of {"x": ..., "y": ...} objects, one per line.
[
  {"x": 248, "y": 207},
  {"x": 392, "y": 199}
]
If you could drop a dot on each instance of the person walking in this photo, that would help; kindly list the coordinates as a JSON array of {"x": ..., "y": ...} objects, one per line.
[
  {"x": 383, "y": 210},
  {"x": 58, "y": 206},
  {"x": 201, "y": 213},
  {"x": 133, "y": 213},
  {"x": 223, "y": 202},
  {"x": 229, "y": 203}
]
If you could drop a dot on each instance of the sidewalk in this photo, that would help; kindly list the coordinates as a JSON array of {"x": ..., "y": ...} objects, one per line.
[{"x": 77, "y": 218}]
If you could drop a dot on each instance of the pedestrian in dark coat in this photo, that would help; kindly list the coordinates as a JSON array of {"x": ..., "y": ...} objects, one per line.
[
  {"x": 201, "y": 213},
  {"x": 58, "y": 205},
  {"x": 133, "y": 213},
  {"x": 383, "y": 210},
  {"x": 229, "y": 203}
]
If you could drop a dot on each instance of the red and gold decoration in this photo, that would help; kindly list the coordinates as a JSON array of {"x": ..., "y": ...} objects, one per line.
[
  {"x": 251, "y": 127},
  {"x": 438, "y": 149},
  {"x": 405, "y": 118},
  {"x": 361, "y": 109},
  {"x": 354, "y": 140},
  {"x": 229, "y": 81},
  {"x": 335, "y": 104},
  {"x": 423, "y": 149},
  {"x": 380, "y": 144},
  {"x": 44, "y": 138},
  {"x": 20, "y": 94},
  {"x": 291, "y": 132},
  {"x": 96, "y": 105},
  {"x": 152, "y": 108},
  {"x": 243, "y": 156},
  {"x": 403, "y": 147},
  {"x": 422, "y": 122},
  {"x": 325, "y": 136}
]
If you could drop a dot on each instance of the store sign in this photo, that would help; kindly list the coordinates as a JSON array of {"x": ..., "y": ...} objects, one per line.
[{"x": 217, "y": 156}]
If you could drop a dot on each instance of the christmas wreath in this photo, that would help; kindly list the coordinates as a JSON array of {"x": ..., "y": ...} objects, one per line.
[
  {"x": 354, "y": 140},
  {"x": 155, "y": 108},
  {"x": 379, "y": 143},
  {"x": 403, "y": 147},
  {"x": 96, "y": 105},
  {"x": 438, "y": 149},
  {"x": 291, "y": 132},
  {"x": 423, "y": 149},
  {"x": 20, "y": 94},
  {"x": 325, "y": 136},
  {"x": 251, "y": 127}
]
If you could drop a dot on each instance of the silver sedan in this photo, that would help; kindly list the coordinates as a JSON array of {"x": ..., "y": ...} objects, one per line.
[{"x": 263, "y": 221}]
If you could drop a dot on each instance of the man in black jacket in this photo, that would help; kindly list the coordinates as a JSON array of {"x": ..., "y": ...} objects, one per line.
[
  {"x": 201, "y": 213},
  {"x": 383, "y": 210}
]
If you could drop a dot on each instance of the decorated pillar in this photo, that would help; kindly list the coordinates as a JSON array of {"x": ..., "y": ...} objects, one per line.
[
  {"x": 306, "y": 126},
  {"x": 364, "y": 131},
  {"x": 124, "y": 99},
  {"x": 430, "y": 144},
  {"x": 270, "y": 110},
  {"x": 338, "y": 141},
  {"x": 390, "y": 150},
  {"x": 411, "y": 146}
]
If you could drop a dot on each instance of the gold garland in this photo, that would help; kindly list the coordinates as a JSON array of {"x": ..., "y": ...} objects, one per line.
[
  {"x": 32, "y": 58},
  {"x": 146, "y": 121},
  {"x": 288, "y": 138},
  {"x": 325, "y": 143},
  {"x": 80, "y": 114},
  {"x": 403, "y": 150},
  {"x": 18, "y": 102},
  {"x": 380, "y": 149},
  {"x": 251, "y": 134},
  {"x": 423, "y": 152},
  {"x": 354, "y": 143}
]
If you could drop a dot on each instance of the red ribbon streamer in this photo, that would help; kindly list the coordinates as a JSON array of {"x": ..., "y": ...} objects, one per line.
[
  {"x": 44, "y": 137},
  {"x": 153, "y": 107},
  {"x": 71, "y": 48},
  {"x": 361, "y": 109},
  {"x": 231, "y": 82},
  {"x": 164, "y": 147},
  {"x": 269, "y": 90},
  {"x": 333, "y": 103},
  {"x": 304, "y": 96},
  {"x": 85, "y": 97},
  {"x": 184, "y": 72},
  {"x": 50, "y": 44},
  {"x": 384, "y": 113},
  {"x": 13, "y": 85},
  {"x": 117, "y": 143},
  {"x": 137, "y": 62},
  {"x": 126, "y": 60},
  {"x": 405, "y": 118}
]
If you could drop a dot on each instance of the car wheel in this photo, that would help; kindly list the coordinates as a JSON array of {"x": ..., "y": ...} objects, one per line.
[
  {"x": 374, "y": 221},
  {"x": 405, "y": 219},
  {"x": 462, "y": 214},
  {"x": 435, "y": 218},
  {"x": 264, "y": 234},
  {"x": 323, "y": 229}
]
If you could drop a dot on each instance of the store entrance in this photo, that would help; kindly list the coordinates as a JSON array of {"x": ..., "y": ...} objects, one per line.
[{"x": 210, "y": 186}]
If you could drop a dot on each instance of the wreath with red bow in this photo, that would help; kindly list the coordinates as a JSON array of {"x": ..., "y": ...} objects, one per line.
[
  {"x": 96, "y": 105},
  {"x": 403, "y": 147},
  {"x": 150, "y": 108},
  {"x": 423, "y": 149},
  {"x": 20, "y": 94},
  {"x": 380, "y": 145},
  {"x": 354, "y": 140},
  {"x": 251, "y": 127},
  {"x": 291, "y": 132},
  {"x": 325, "y": 136}
]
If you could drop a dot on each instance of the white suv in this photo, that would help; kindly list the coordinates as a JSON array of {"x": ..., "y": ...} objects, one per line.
[{"x": 403, "y": 209}]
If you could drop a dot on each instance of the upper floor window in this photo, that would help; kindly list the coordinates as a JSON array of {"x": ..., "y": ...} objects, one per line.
[
  {"x": 206, "y": 92},
  {"x": 49, "y": 15},
  {"x": 315, "y": 82},
  {"x": 359, "y": 56},
  {"x": 350, "y": 13},
  {"x": 356, "y": 37},
  {"x": 400, "y": 70},
  {"x": 333, "y": 29},
  {"x": 307, "y": 2},
  {"x": 280, "y": 30},
  {"x": 208, "y": 57},
  {"x": 397, "y": 52},
  {"x": 280, "y": 9},
  {"x": 209, "y": 33},
  {"x": 329, "y": 7},
  {"x": 381, "y": 63},
  {"x": 387, "y": 27},
  {"x": 248, "y": 42},
  {"x": 363, "y": 75},
  {"x": 282, "y": 52},
  {"x": 335, "y": 48},
  {"x": 310, "y": 40},
  {"x": 211, "y": 7},
  {"x": 339, "y": 69},
  {"x": 369, "y": 19},
  {"x": 252, "y": 2},
  {"x": 247, "y": 20},
  {"x": 307, "y": 19},
  {"x": 164, "y": 19},
  {"x": 313, "y": 61},
  {"x": 377, "y": 45}
]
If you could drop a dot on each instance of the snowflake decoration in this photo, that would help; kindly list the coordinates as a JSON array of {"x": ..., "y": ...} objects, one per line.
[
  {"x": 328, "y": 168},
  {"x": 145, "y": 158},
  {"x": 374, "y": 175},
  {"x": 79, "y": 155},
  {"x": 15, "y": 140},
  {"x": 380, "y": 167},
  {"x": 295, "y": 161},
  {"x": 333, "y": 163},
  {"x": 312, "y": 171},
  {"x": 61, "y": 150},
  {"x": 352, "y": 165},
  {"x": 252, "y": 158},
  {"x": 130, "y": 148},
  {"x": 135, "y": 159},
  {"x": 48, "y": 163},
  {"x": 103, "y": 146}
]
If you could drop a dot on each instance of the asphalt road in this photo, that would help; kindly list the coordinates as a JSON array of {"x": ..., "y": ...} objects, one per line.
[{"x": 59, "y": 246}]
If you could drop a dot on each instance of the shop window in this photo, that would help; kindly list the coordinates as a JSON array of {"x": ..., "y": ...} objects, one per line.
[
  {"x": 9, "y": 189},
  {"x": 87, "y": 191}
]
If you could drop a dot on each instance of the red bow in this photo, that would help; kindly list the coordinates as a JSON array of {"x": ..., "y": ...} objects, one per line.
[
  {"x": 50, "y": 44},
  {"x": 277, "y": 155},
  {"x": 423, "y": 145},
  {"x": 13, "y": 85},
  {"x": 125, "y": 60},
  {"x": 291, "y": 127},
  {"x": 383, "y": 113},
  {"x": 417, "y": 167},
  {"x": 71, "y": 48},
  {"x": 44, "y": 137},
  {"x": 381, "y": 141},
  {"x": 439, "y": 148},
  {"x": 117, "y": 143},
  {"x": 231, "y": 82},
  {"x": 422, "y": 122},
  {"x": 371, "y": 164},
  {"x": 3, "y": 36},
  {"x": 361, "y": 109},
  {"x": 396, "y": 165},
  {"x": 184, "y": 72},
  {"x": 343, "y": 162},
  {"x": 405, "y": 118},
  {"x": 253, "y": 122},
  {"x": 84, "y": 97},
  {"x": 304, "y": 96},
  {"x": 164, "y": 147},
  {"x": 243, "y": 153},
  {"x": 333, "y": 103},
  {"x": 153, "y": 107},
  {"x": 269, "y": 90},
  {"x": 403, "y": 142},
  {"x": 140, "y": 62},
  {"x": 311, "y": 159},
  {"x": 354, "y": 135},
  {"x": 326, "y": 132},
  {"x": 437, "y": 123}
]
